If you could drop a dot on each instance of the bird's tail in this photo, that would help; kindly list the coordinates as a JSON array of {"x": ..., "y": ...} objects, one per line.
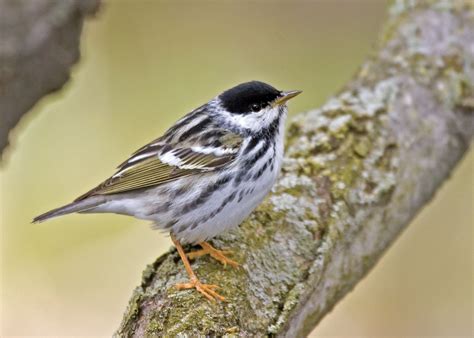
[{"x": 76, "y": 206}]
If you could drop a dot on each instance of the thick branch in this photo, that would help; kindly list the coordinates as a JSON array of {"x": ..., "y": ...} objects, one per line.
[
  {"x": 39, "y": 43},
  {"x": 356, "y": 172}
]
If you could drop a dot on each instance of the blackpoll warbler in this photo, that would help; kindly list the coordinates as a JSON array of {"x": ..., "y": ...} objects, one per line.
[{"x": 205, "y": 175}]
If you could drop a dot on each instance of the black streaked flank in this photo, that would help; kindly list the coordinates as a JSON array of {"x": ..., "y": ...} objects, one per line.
[
  {"x": 159, "y": 209},
  {"x": 261, "y": 170},
  {"x": 205, "y": 195},
  {"x": 239, "y": 99},
  {"x": 170, "y": 224},
  {"x": 244, "y": 173},
  {"x": 179, "y": 191},
  {"x": 226, "y": 201},
  {"x": 241, "y": 196},
  {"x": 194, "y": 225}
]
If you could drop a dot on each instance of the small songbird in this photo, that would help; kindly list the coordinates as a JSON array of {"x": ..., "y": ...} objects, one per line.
[{"x": 205, "y": 175}]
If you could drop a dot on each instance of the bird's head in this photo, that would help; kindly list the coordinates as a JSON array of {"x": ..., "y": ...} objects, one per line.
[{"x": 252, "y": 105}]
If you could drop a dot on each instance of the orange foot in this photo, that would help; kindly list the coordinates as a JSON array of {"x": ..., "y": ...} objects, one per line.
[
  {"x": 206, "y": 289},
  {"x": 217, "y": 254}
]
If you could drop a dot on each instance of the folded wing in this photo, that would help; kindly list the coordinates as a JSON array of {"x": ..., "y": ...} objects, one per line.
[{"x": 159, "y": 162}]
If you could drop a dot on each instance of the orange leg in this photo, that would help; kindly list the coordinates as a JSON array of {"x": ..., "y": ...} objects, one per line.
[
  {"x": 219, "y": 255},
  {"x": 206, "y": 289}
]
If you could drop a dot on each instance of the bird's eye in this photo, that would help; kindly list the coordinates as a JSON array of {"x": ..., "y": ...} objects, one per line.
[{"x": 255, "y": 107}]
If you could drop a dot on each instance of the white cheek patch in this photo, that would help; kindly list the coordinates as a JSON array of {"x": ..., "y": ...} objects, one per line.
[{"x": 255, "y": 121}]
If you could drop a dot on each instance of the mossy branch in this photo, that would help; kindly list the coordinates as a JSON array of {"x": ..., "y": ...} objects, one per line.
[{"x": 357, "y": 170}]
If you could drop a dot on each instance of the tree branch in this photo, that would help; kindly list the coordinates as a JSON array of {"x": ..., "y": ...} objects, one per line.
[
  {"x": 39, "y": 43},
  {"x": 356, "y": 172}
]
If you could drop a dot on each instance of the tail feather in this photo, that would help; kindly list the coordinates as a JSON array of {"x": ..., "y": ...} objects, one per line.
[{"x": 76, "y": 206}]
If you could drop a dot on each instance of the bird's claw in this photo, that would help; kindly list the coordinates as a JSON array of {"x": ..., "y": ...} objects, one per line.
[
  {"x": 217, "y": 254},
  {"x": 207, "y": 290}
]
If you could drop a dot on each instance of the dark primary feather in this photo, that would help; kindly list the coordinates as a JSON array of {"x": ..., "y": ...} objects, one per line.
[
  {"x": 239, "y": 99},
  {"x": 147, "y": 167}
]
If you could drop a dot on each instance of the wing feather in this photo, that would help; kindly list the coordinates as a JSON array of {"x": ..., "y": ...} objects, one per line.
[{"x": 158, "y": 163}]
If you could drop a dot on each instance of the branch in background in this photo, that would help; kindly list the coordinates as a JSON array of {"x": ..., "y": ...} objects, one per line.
[
  {"x": 39, "y": 43},
  {"x": 356, "y": 172}
]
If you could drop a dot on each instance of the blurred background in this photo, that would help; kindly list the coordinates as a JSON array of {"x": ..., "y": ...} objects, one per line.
[{"x": 146, "y": 63}]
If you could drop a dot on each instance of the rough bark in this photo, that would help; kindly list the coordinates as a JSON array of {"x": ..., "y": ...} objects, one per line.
[
  {"x": 356, "y": 171},
  {"x": 39, "y": 43}
]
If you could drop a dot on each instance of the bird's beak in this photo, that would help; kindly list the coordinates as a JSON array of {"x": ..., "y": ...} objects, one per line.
[{"x": 285, "y": 96}]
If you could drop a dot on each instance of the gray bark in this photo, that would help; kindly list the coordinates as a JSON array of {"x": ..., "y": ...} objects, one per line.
[
  {"x": 356, "y": 171},
  {"x": 39, "y": 43}
]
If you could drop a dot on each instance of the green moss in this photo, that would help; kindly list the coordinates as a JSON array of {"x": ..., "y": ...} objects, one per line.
[
  {"x": 362, "y": 147},
  {"x": 292, "y": 299},
  {"x": 154, "y": 328},
  {"x": 131, "y": 314}
]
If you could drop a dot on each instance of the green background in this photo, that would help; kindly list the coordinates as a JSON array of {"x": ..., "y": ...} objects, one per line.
[{"x": 146, "y": 63}]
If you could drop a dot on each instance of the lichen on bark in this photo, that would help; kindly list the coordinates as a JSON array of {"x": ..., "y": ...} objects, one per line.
[{"x": 356, "y": 171}]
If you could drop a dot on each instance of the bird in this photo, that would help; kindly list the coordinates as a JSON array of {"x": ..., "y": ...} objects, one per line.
[{"x": 203, "y": 176}]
